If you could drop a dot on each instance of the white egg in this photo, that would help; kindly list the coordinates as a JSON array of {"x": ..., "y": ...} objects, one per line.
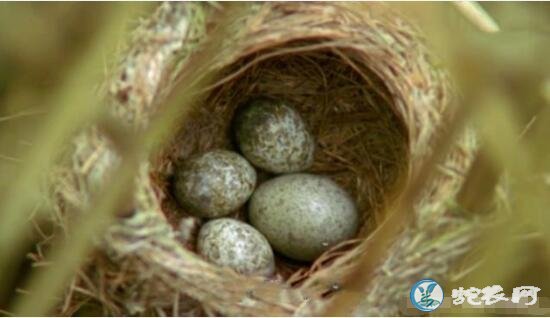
[
  {"x": 303, "y": 215},
  {"x": 274, "y": 137},
  {"x": 235, "y": 244},
  {"x": 215, "y": 183}
]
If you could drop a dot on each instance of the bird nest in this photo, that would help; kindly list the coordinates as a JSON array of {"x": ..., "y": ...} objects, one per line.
[{"x": 370, "y": 94}]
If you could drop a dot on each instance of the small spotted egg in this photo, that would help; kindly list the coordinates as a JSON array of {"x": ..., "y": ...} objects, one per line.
[
  {"x": 215, "y": 183},
  {"x": 274, "y": 137},
  {"x": 303, "y": 215},
  {"x": 235, "y": 244}
]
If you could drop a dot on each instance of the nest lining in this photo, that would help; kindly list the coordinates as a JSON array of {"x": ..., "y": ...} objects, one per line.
[{"x": 361, "y": 142}]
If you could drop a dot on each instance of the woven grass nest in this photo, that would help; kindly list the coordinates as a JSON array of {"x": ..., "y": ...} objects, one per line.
[{"x": 368, "y": 89}]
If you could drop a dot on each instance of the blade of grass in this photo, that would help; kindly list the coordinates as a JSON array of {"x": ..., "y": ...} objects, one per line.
[
  {"x": 74, "y": 104},
  {"x": 474, "y": 12},
  {"x": 499, "y": 131},
  {"x": 400, "y": 216},
  {"x": 68, "y": 255}
]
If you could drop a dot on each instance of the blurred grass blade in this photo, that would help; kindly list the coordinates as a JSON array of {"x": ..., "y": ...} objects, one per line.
[
  {"x": 400, "y": 216},
  {"x": 68, "y": 256},
  {"x": 74, "y": 105},
  {"x": 47, "y": 283},
  {"x": 477, "y": 15},
  {"x": 498, "y": 127}
]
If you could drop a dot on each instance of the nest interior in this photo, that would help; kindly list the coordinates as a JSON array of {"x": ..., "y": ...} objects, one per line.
[{"x": 361, "y": 140}]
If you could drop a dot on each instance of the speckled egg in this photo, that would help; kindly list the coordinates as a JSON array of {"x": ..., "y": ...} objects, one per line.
[
  {"x": 302, "y": 215},
  {"x": 235, "y": 244},
  {"x": 215, "y": 183},
  {"x": 274, "y": 137}
]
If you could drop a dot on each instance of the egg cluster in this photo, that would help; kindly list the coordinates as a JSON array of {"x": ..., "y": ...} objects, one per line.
[{"x": 297, "y": 214}]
